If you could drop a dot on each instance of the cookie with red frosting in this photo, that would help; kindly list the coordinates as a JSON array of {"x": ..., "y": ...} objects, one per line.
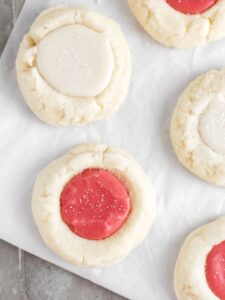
[
  {"x": 93, "y": 205},
  {"x": 181, "y": 23},
  {"x": 200, "y": 267}
]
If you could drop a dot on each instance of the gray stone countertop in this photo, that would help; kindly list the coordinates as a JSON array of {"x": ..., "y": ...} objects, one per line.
[{"x": 23, "y": 276}]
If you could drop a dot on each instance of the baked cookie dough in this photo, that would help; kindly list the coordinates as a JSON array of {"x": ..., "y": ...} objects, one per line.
[
  {"x": 181, "y": 23},
  {"x": 73, "y": 66},
  {"x": 200, "y": 268},
  {"x": 93, "y": 206},
  {"x": 198, "y": 127}
]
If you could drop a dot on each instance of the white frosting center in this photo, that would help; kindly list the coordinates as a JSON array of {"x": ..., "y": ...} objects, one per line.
[
  {"x": 76, "y": 61},
  {"x": 212, "y": 125}
]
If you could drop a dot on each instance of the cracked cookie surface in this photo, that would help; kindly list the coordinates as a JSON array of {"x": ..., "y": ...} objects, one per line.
[
  {"x": 175, "y": 29},
  {"x": 57, "y": 235},
  {"x": 54, "y": 107}
]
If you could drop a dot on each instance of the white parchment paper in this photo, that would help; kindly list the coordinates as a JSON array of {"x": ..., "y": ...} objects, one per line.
[{"x": 141, "y": 127}]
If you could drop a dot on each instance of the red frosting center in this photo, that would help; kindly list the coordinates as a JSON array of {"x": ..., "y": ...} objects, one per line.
[
  {"x": 215, "y": 270},
  {"x": 191, "y": 7},
  {"x": 94, "y": 204}
]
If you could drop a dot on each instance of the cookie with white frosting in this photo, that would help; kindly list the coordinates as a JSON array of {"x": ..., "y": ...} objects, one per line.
[
  {"x": 73, "y": 66},
  {"x": 200, "y": 268},
  {"x": 181, "y": 23},
  {"x": 94, "y": 205},
  {"x": 198, "y": 127}
]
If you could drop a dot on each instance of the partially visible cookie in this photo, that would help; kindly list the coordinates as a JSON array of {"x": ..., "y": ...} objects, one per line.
[
  {"x": 73, "y": 66},
  {"x": 181, "y": 23},
  {"x": 200, "y": 268},
  {"x": 198, "y": 127},
  {"x": 94, "y": 205}
]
